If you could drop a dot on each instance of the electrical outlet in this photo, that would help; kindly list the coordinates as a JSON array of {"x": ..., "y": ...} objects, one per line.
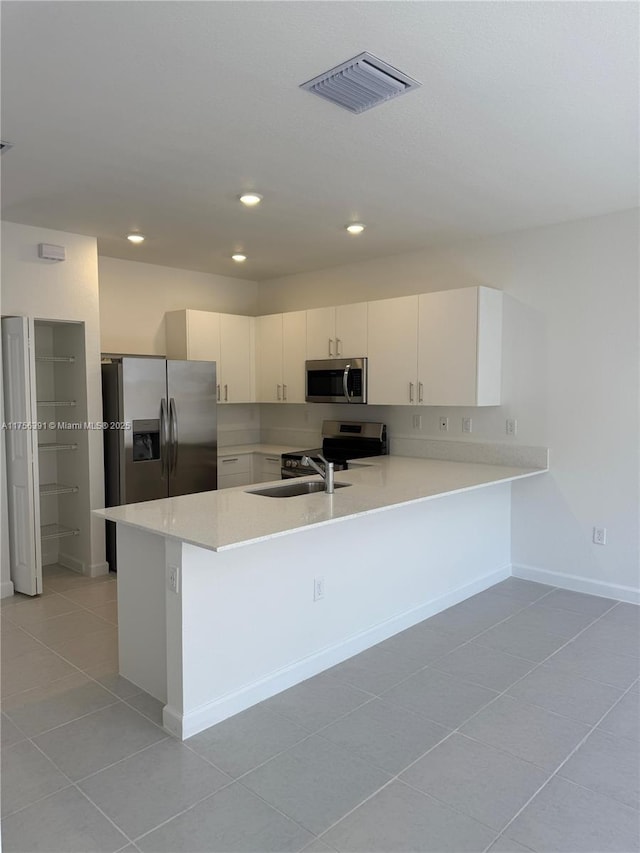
[
  {"x": 173, "y": 579},
  {"x": 467, "y": 425},
  {"x": 444, "y": 424},
  {"x": 512, "y": 426},
  {"x": 318, "y": 589},
  {"x": 600, "y": 535}
]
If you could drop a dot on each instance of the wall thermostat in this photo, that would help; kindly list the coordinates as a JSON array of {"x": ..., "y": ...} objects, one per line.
[{"x": 49, "y": 252}]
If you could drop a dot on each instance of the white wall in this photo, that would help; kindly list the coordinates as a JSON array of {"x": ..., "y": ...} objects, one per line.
[
  {"x": 135, "y": 296},
  {"x": 570, "y": 377},
  {"x": 66, "y": 290}
]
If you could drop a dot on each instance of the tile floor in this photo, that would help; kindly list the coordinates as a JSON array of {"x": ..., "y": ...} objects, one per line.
[{"x": 507, "y": 723}]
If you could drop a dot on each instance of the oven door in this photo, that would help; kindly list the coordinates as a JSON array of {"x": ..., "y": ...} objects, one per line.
[{"x": 336, "y": 380}]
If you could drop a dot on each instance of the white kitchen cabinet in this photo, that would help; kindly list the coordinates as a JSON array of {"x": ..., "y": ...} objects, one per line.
[
  {"x": 266, "y": 467},
  {"x": 227, "y": 339},
  {"x": 460, "y": 347},
  {"x": 294, "y": 345},
  {"x": 436, "y": 349},
  {"x": 237, "y": 359},
  {"x": 393, "y": 351},
  {"x": 45, "y": 386},
  {"x": 235, "y": 470},
  {"x": 280, "y": 356},
  {"x": 337, "y": 332}
]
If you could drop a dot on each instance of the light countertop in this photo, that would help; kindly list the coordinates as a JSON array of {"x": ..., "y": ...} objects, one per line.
[
  {"x": 266, "y": 449},
  {"x": 231, "y": 518}
]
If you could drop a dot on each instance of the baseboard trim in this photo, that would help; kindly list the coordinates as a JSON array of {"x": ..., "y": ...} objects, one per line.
[
  {"x": 189, "y": 724},
  {"x": 95, "y": 570},
  {"x": 576, "y": 583},
  {"x": 6, "y": 589},
  {"x": 71, "y": 563}
]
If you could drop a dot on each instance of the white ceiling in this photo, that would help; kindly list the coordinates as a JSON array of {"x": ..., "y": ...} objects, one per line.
[{"x": 155, "y": 115}]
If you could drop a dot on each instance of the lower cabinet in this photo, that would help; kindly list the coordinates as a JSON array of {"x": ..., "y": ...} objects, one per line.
[
  {"x": 235, "y": 470},
  {"x": 266, "y": 468},
  {"x": 243, "y": 469}
]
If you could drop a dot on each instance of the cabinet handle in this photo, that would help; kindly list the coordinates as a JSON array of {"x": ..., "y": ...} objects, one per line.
[
  {"x": 338, "y": 342},
  {"x": 420, "y": 392},
  {"x": 218, "y": 392},
  {"x": 279, "y": 392},
  {"x": 226, "y": 461},
  {"x": 271, "y": 458},
  {"x": 226, "y": 393},
  {"x": 284, "y": 392},
  {"x": 411, "y": 392},
  {"x": 330, "y": 346}
]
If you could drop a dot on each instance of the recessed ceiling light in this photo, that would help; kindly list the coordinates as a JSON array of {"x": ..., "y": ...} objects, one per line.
[
  {"x": 250, "y": 199},
  {"x": 355, "y": 228},
  {"x": 135, "y": 238},
  {"x": 238, "y": 258}
]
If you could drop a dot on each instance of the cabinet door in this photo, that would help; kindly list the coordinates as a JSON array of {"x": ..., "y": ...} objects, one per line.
[
  {"x": 351, "y": 330},
  {"x": 269, "y": 358},
  {"x": 294, "y": 328},
  {"x": 448, "y": 322},
  {"x": 237, "y": 353},
  {"x": 203, "y": 336},
  {"x": 393, "y": 351},
  {"x": 267, "y": 469},
  {"x": 321, "y": 333}
]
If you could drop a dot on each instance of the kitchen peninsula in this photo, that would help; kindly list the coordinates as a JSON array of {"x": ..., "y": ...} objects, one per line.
[{"x": 226, "y": 598}]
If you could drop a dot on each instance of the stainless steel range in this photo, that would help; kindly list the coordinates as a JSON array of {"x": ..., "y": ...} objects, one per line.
[{"x": 341, "y": 441}]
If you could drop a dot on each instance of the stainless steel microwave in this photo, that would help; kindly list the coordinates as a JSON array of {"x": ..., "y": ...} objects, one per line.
[{"x": 336, "y": 380}]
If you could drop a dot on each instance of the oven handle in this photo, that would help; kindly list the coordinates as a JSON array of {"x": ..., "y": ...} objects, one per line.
[{"x": 345, "y": 382}]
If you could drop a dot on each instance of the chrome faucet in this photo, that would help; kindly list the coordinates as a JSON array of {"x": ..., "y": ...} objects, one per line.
[{"x": 326, "y": 474}]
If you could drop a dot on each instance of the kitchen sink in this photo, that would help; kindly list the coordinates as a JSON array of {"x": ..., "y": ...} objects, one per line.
[{"x": 293, "y": 489}]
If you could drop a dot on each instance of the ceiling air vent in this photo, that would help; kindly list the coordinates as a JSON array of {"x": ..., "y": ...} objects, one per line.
[{"x": 361, "y": 83}]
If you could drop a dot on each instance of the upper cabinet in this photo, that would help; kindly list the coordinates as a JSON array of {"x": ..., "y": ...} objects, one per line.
[
  {"x": 460, "y": 347},
  {"x": 227, "y": 339},
  {"x": 432, "y": 349},
  {"x": 436, "y": 349},
  {"x": 337, "y": 332},
  {"x": 280, "y": 356},
  {"x": 393, "y": 351}
]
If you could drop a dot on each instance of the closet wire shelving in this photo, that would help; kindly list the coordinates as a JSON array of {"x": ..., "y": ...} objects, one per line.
[{"x": 56, "y": 531}]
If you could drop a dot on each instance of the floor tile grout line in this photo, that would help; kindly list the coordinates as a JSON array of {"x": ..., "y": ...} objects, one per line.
[
  {"x": 560, "y": 766},
  {"x": 105, "y": 815},
  {"x": 137, "y": 752},
  {"x": 67, "y": 722},
  {"x": 372, "y": 696}
]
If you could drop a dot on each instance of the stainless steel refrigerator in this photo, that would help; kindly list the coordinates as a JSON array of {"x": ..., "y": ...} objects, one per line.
[{"x": 161, "y": 439}]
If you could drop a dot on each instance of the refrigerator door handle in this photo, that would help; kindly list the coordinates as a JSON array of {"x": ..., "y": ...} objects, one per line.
[
  {"x": 173, "y": 435},
  {"x": 164, "y": 440}
]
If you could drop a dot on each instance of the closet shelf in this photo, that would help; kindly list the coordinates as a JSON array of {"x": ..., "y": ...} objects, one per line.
[
  {"x": 57, "y": 489},
  {"x": 57, "y": 531},
  {"x": 56, "y": 359},
  {"x": 56, "y": 447},
  {"x": 55, "y": 403}
]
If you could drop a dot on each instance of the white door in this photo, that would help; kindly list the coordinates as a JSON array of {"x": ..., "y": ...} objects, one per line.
[
  {"x": 321, "y": 334},
  {"x": 18, "y": 367},
  {"x": 294, "y": 345},
  {"x": 351, "y": 330},
  {"x": 269, "y": 358},
  {"x": 447, "y": 346},
  {"x": 203, "y": 335},
  {"x": 393, "y": 351},
  {"x": 235, "y": 371}
]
